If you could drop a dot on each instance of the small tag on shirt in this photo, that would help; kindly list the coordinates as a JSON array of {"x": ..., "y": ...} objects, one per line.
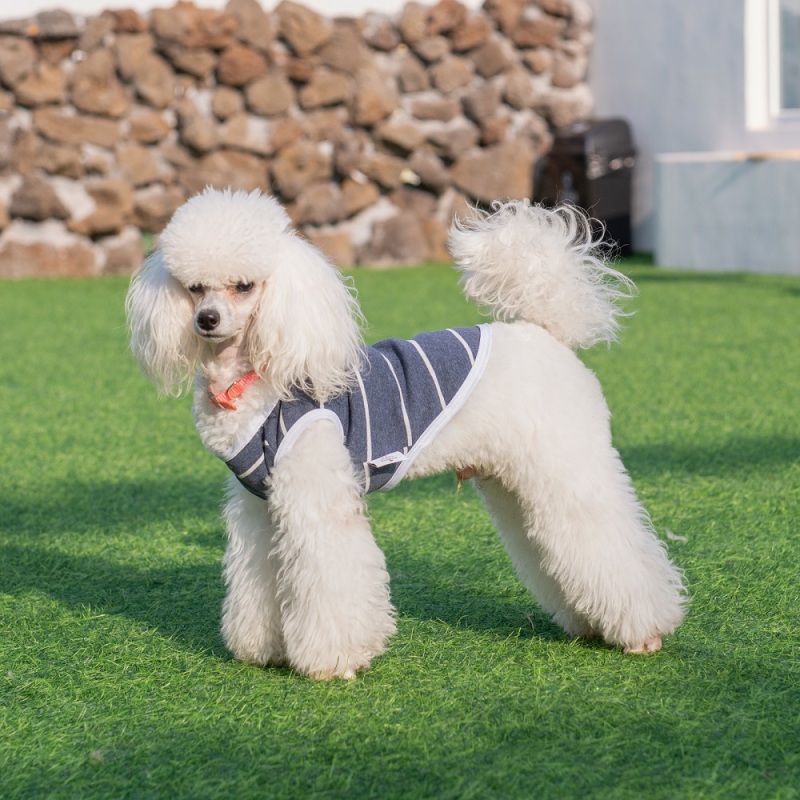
[{"x": 390, "y": 458}]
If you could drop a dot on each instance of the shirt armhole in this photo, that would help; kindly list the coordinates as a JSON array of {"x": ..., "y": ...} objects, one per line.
[{"x": 300, "y": 427}]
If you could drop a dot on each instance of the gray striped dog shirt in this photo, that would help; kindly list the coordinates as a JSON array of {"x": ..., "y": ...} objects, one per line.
[{"x": 405, "y": 393}]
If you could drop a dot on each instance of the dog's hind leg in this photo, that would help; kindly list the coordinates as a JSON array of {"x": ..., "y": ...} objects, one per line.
[
  {"x": 596, "y": 542},
  {"x": 251, "y": 625},
  {"x": 332, "y": 584},
  {"x": 510, "y": 520}
]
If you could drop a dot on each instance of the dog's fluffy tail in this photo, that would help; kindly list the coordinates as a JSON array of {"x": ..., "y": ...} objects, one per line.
[{"x": 525, "y": 262}]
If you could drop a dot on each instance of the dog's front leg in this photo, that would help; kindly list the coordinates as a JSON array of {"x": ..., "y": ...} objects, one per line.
[
  {"x": 333, "y": 587},
  {"x": 251, "y": 624}
]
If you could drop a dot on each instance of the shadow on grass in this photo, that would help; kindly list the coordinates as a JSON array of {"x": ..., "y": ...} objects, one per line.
[
  {"x": 181, "y": 602},
  {"x": 78, "y": 507},
  {"x": 182, "y": 599},
  {"x": 425, "y": 590},
  {"x": 49, "y": 541},
  {"x": 738, "y": 454},
  {"x": 784, "y": 284}
]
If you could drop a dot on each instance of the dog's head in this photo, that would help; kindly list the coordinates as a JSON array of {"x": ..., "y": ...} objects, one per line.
[{"x": 229, "y": 269}]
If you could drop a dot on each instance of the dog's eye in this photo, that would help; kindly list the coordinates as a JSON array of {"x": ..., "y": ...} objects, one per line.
[
  {"x": 243, "y": 288},
  {"x": 196, "y": 288}
]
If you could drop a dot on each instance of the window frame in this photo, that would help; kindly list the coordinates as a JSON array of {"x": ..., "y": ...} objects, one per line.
[{"x": 763, "y": 69}]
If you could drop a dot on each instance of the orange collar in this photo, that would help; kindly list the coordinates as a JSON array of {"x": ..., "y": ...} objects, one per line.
[{"x": 224, "y": 400}]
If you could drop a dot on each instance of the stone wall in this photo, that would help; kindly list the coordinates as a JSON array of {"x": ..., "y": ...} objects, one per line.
[{"x": 373, "y": 131}]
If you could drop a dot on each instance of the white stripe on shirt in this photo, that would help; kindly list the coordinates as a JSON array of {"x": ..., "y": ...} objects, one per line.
[
  {"x": 430, "y": 369},
  {"x": 406, "y": 420},
  {"x": 466, "y": 346},
  {"x": 368, "y": 427}
]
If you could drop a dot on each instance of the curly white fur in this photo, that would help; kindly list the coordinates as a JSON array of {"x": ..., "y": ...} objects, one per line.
[
  {"x": 542, "y": 266},
  {"x": 219, "y": 238},
  {"x": 233, "y": 289}
]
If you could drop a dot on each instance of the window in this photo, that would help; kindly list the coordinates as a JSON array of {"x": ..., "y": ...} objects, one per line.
[
  {"x": 772, "y": 63},
  {"x": 785, "y": 56}
]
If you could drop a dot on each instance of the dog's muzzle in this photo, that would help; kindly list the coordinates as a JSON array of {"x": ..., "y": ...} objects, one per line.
[{"x": 207, "y": 320}]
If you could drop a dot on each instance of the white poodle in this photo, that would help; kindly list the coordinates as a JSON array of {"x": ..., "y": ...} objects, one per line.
[{"x": 309, "y": 420}]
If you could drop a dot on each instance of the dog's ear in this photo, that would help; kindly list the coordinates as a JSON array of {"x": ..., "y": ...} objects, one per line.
[
  {"x": 160, "y": 318},
  {"x": 306, "y": 332}
]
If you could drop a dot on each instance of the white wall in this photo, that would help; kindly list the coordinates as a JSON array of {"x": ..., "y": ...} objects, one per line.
[{"x": 676, "y": 70}]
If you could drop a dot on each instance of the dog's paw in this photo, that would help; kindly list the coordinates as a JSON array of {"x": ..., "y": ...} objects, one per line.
[
  {"x": 345, "y": 669},
  {"x": 348, "y": 674},
  {"x": 650, "y": 645}
]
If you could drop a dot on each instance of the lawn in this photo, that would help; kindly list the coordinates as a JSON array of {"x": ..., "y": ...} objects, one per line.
[{"x": 114, "y": 682}]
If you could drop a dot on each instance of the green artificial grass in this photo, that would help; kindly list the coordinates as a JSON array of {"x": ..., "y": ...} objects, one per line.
[{"x": 114, "y": 682}]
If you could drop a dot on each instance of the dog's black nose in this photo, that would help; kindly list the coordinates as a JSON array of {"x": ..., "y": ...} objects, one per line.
[{"x": 208, "y": 319}]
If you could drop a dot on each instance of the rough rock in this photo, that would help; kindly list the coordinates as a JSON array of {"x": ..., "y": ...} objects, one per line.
[
  {"x": 17, "y": 59},
  {"x": 375, "y": 97},
  {"x": 298, "y": 165},
  {"x": 123, "y": 252},
  {"x": 194, "y": 61},
  {"x": 303, "y": 29},
  {"x": 55, "y": 24},
  {"x": 482, "y": 101},
  {"x": 36, "y": 199},
  {"x": 446, "y": 15},
  {"x": 326, "y": 88},
  {"x": 154, "y": 205},
  {"x": 413, "y": 22},
  {"x": 471, "y": 33},
  {"x": 95, "y": 88},
  {"x": 254, "y": 25},
  {"x": 345, "y": 51},
  {"x": 386, "y": 170},
  {"x": 138, "y": 164},
  {"x": 432, "y": 48},
  {"x": 319, "y": 204},
  {"x": 379, "y": 32},
  {"x": 563, "y": 107},
  {"x": 568, "y": 69},
  {"x": 538, "y": 59},
  {"x": 519, "y": 91},
  {"x": 226, "y": 101},
  {"x": 506, "y": 13},
  {"x": 57, "y": 159},
  {"x": 239, "y": 64},
  {"x": 113, "y": 201},
  {"x": 534, "y": 28},
  {"x": 61, "y": 126},
  {"x": 504, "y": 171},
  {"x": 269, "y": 95},
  {"x": 225, "y": 168},
  {"x": 559, "y": 8},
  {"x": 47, "y": 249},
  {"x": 190, "y": 26},
  {"x": 196, "y": 130},
  {"x": 43, "y": 85},
  {"x": 452, "y": 73},
  {"x": 373, "y": 131},
  {"x": 358, "y": 195},
  {"x": 130, "y": 51},
  {"x": 430, "y": 170},
  {"x": 335, "y": 244},
  {"x": 411, "y": 74},
  {"x": 147, "y": 126},
  {"x": 154, "y": 81},
  {"x": 400, "y": 239},
  {"x": 402, "y": 136},
  {"x": 248, "y": 133},
  {"x": 453, "y": 139},
  {"x": 433, "y": 106}
]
